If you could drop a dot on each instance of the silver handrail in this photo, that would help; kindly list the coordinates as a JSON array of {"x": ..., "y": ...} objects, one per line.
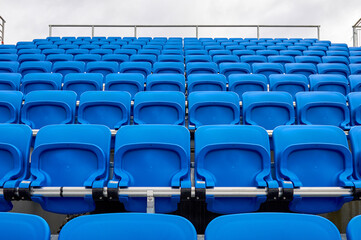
[
  {"x": 196, "y": 27},
  {"x": 2, "y": 29},
  {"x": 356, "y": 28}
]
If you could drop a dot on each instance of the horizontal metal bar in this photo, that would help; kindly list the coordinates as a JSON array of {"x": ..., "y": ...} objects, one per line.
[
  {"x": 236, "y": 192},
  {"x": 142, "y": 191},
  {"x": 176, "y": 26},
  {"x": 322, "y": 191}
]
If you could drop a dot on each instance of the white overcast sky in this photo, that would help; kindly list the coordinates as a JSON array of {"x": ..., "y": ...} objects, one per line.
[{"x": 29, "y": 19}]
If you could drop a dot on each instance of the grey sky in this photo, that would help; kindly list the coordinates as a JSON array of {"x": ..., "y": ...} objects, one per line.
[{"x": 29, "y": 19}]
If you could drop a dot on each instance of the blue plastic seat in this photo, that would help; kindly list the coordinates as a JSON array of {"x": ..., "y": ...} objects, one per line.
[
  {"x": 128, "y": 82},
  {"x": 119, "y": 58},
  {"x": 8, "y": 57},
  {"x": 129, "y": 226},
  {"x": 131, "y": 46},
  {"x": 9, "y": 67},
  {"x": 193, "y": 47},
  {"x": 268, "y": 68},
  {"x": 41, "y": 81},
  {"x": 291, "y": 83},
  {"x": 159, "y": 108},
  {"x": 111, "y": 47},
  {"x": 292, "y": 53},
  {"x": 173, "y": 52},
  {"x": 59, "y": 57},
  {"x": 226, "y": 156},
  {"x": 317, "y": 48},
  {"x": 250, "y": 59},
  {"x": 352, "y": 53},
  {"x": 301, "y": 68},
  {"x": 166, "y": 82},
  {"x": 225, "y": 59},
  {"x": 68, "y": 46},
  {"x": 143, "y": 58},
  {"x": 213, "y": 108},
  {"x": 195, "y": 52},
  {"x": 10, "y": 81},
  {"x": 153, "y": 52},
  {"x": 301, "y": 152},
  {"x": 35, "y": 67},
  {"x": 101, "y": 51},
  {"x": 144, "y": 68},
  {"x": 83, "y": 82},
  {"x": 338, "y": 53},
  {"x": 47, "y": 46},
  {"x": 9, "y": 51},
  {"x": 355, "y": 137},
  {"x": 329, "y": 82},
  {"x": 109, "y": 108},
  {"x": 333, "y": 68},
  {"x": 228, "y": 69},
  {"x": 322, "y": 108},
  {"x": 76, "y": 51},
  {"x": 86, "y": 58},
  {"x": 336, "y": 59},
  {"x": 256, "y": 47},
  {"x": 308, "y": 59},
  {"x": 171, "y": 58},
  {"x": 80, "y": 152},
  {"x": 36, "y": 51},
  {"x": 268, "y": 109},
  {"x": 241, "y": 53},
  {"x": 353, "y": 228},
  {"x": 355, "y": 83},
  {"x": 355, "y": 69},
  {"x": 197, "y": 58},
  {"x": 213, "y": 53},
  {"x": 59, "y": 107},
  {"x": 213, "y": 47},
  {"x": 355, "y": 59},
  {"x": 68, "y": 67},
  {"x": 314, "y": 53},
  {"x": 274, "y": 226},
  {"x": 15, "y": 226},
  {"x": 10, "y": 105},
  {"x": 235, "y": 47},
  {"x": 102, "y": 67},
  {"x": 267, "y": 52},
  {"x": 151, "y": 156},
  {"x": 277, "y": 48},
  {"x": 354, "y": 101},
  {"x": 128, "y": 52},
  {"x": 168, "y": 67},
  {"x": 241, "y": 83},
  {"x": 89, "y": 46},
  {"x": 282, "y": 59},
  {"x": 201, "y": 67},
  {"x": 206, "y": 82}
]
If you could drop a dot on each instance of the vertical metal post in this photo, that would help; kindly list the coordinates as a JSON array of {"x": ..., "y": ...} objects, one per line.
[
  {"x": 257, "y": 31},
  {"x": 92, "y": 31},
  {"x": 318, "y": 32},
  {"x": 197, "y": 31},
  {"x": 50, "y": 30},
  {"x": 355, "y": 37},
  {"x": 135, "y": 31}
]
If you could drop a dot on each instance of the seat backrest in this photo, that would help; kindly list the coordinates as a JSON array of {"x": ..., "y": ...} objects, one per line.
[
  {"x": 274, "y": 226},
  {"x": 168, "y": 67},
  {"x": 82, "y": 82},
  {"x": 129, "y": 82},
  {"x": 333, "y": 68},
  {"x": 268, "y": 68},
  {"x": 144, "y": 68},
  {"x": 241, "y": 83},
  {"x": 291, "y": 83},
  {"x": 232, "y": 156},
  {"x": 80, "y": 152},
  {"x": 129, "y": 226},
  {"x": 268, "y": 109},
  {"x": 301, "y": 68},
  {"x": 9, "y": 67},
  {"x": 166, "y": 82},
  {"x": 102, "y": 67},
  {"x": 23, "y": 226},
  {"x": 15, "y": 140},
  {"x": 69, "y": 67},
  {"x": 213, "y": 108},
  {"x": 152, "y": 156},
  {"x": 41, "y": 81},
  {"x": 329, "y": 82},
  {"x": 88, "y": 57},
  {"x": 35, "y": 67},
  {"x": 159, "y": 108},
  {"x": 206, "y": 82},
  {"x": 10, "y": 81},
  {"x": 322, "y": 108},
  {"x": 300, "y": 154},
  {"x": 201, "y": 67},
  {"x": 228, "y": 69},
  {"x": 59, "y": 107},
  {"x": 110, "y": 108},
  {"x": 10, "y": 105}
]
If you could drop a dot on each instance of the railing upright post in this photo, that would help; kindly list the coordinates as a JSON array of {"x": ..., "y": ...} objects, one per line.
[
  {"x": 257, "y": 31},
  {"x": 50, "y": 30},
  {"x": 92, "y": 31},
  {"x": 197, "y": 34},
  {"x": 318, "y": 32},
  {"x": 135, "y": 31},
  {"x": 355, "y": 36}
]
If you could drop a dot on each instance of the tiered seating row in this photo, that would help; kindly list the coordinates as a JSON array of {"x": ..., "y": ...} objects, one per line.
[
  {"x": 114, "y": 109},
  {"x": 232, "y": 172},
  {"x": 157, "y": 226}
]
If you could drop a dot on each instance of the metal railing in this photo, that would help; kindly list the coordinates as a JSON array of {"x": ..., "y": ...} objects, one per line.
[
  {"x": 195, "y": 27},
  {"x": 2, "y": 29},
  {"x": 356, "y": 28}
]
